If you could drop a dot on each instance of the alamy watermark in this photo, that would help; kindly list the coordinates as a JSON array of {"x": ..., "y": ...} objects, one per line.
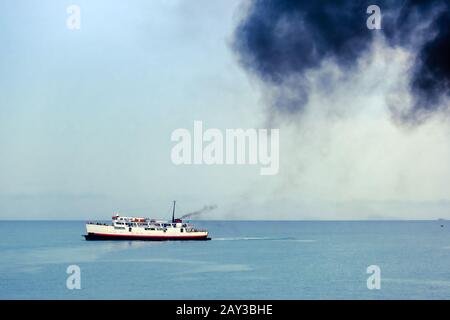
[
  {"x": 74, "y": 279},
  {"x": 73, "y": 21},
  {"x": 374, "y": 280},
  {"x": 235, "y": 146},
  {"x": 374, "y": 20}
]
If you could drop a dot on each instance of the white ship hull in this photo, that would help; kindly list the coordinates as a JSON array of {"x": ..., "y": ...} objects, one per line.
[{"x": 108, "y": 232}]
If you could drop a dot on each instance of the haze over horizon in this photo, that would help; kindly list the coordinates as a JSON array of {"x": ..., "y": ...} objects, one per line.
[{"x": 86, "y": 118}]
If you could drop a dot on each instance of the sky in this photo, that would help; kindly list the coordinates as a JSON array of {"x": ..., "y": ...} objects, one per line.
[{"x": 86, "y": 118}]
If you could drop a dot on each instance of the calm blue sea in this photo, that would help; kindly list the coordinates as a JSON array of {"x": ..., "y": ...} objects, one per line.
[{"x": 245, "y": 260}]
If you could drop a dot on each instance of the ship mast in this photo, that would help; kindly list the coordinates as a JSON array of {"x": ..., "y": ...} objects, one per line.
[{"x": 173, "y": 212}]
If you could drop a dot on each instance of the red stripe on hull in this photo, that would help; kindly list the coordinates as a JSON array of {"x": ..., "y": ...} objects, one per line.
[{"x": 107, "y": 236}]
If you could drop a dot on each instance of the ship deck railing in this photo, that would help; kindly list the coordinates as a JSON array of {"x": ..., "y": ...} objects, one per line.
[
  {"x": 97, "y": 223},
  {"x": 196, "y": 230}
]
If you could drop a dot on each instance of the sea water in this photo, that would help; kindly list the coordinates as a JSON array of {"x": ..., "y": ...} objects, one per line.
[{"x": 244, "y": 260}]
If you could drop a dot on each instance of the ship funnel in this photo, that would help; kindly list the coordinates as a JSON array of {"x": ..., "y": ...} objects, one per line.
[{"x": 173, "y": 211}]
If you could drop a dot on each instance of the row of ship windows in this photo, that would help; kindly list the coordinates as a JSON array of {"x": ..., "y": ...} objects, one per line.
[
  {"x": 166, "y": 225},
  {"x": 123, "y": 228}
]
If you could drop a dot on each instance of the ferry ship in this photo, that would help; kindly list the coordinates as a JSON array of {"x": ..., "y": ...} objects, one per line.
[{"x": 132, "y": 228}]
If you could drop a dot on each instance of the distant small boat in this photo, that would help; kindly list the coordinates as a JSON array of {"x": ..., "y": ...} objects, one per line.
[{"x": 133, "y": 228}]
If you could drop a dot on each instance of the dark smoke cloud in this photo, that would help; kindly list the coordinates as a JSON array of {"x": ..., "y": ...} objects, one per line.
[
  {"x": 198, "y": 212},
  {"x": 280, "y": 40}
]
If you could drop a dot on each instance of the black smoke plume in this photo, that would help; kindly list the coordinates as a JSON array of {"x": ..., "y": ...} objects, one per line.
[
  {"x": 280, "y": 40},
  {"x": 200, "y": 211}
]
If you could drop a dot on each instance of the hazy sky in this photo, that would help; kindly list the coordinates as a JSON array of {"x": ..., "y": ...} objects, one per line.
[{"x": 86, "y": 118}]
